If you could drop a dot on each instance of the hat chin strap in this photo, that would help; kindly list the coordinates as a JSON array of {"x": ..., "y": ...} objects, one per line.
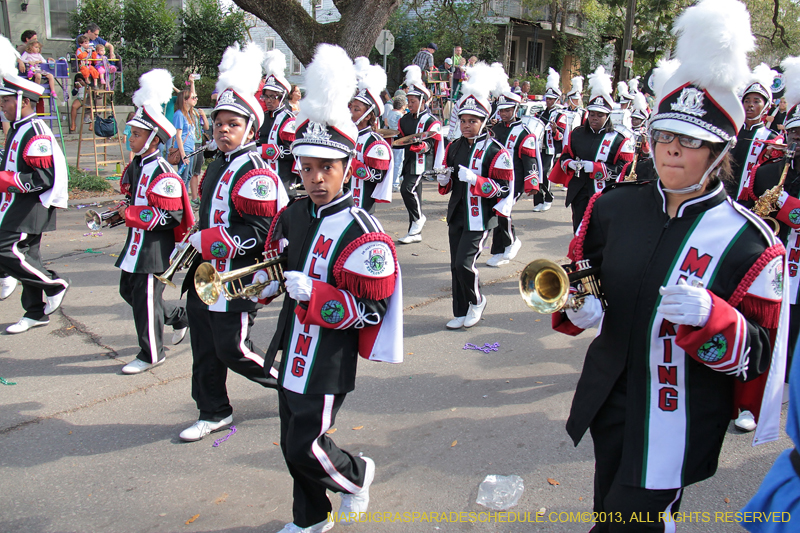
[
  {"x": 699, "y": 185},
  {"x": 367, "y": 112},
  {"x": 244, "y": 137},
  {"x": 19, "y": 106},
  {"x": 147, "y": 143}
]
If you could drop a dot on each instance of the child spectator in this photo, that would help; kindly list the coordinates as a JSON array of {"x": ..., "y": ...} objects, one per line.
[
  {"x": 104, "y": 66},
  {"x": 33, "y": 59},
  {"x": 78, "y": 91},
  {"x": 127, "y": 132},
  {"x": 85, "y": 56}
]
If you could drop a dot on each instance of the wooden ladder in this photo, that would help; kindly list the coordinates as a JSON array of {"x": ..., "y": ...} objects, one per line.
[{"x": 99, "y": 103}]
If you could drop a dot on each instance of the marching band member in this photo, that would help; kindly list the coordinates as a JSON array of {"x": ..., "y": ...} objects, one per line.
[
  {"x": 553, "y": 135},
  {"x": 692, "y": 285},
  {"x": 645, "y": 169},
  {"x": 750, "y": 140},
  {"x": 594, "y": 153},
  {"x": 373, "y": 154},
  {"x": 523, "y": 146},
  {"x": 239, "y": 196},
  {"x": 621, "y": 113},
  {"x": 277, "y": 132},
  {"x": 574, "y": 115},
  {"x": 33, "y": 183},
  {"x": 344, "y": 299},
  {"x": 158, "y": 215},
  {"x": 484, "y": 178},
  {"x": 418, "y": 120}
]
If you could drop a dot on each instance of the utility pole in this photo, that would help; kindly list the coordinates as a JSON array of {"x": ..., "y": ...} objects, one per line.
[{"x": 625, "y": 72}]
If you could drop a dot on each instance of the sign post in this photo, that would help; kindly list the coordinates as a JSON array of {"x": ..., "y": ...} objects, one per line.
[{"x": 384, "y": 44}]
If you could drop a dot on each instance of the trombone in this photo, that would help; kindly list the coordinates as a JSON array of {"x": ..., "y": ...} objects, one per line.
[
  {"x": 545, "y": 285},
  {"x": 180, "y": 260},
  {"x": 107, "y": 219},
  {"x": 210, "y": 284}
]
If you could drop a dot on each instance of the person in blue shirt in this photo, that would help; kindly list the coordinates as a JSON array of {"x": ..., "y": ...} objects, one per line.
[{"x": 93, "y": 33}]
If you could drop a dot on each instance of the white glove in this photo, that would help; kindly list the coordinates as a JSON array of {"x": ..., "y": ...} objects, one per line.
[
  {"x": 684, "y": 304},
  {"x": 444, "y": 177},
  {"x": 197, "y": 241},
  {"x": 588, "y": 315},
  {"x": 782, "y": 199},
  {"x": 466, "y": 175},
  {"x": 270, "y": 290},
  {"x": 588, "y": 166},
  {"x": 298, "y": 285},
  {"x": 575, "y": 164},
  {"x": 179, "y": 247}
]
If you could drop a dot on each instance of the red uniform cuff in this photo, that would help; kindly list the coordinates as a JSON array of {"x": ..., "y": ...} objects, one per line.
[
  {"x": 485, "y": 188},
  {"x": 789, "y": 214},
  {"x": 216, "y": 244},
  {"x": 328, "y": 307},
  {"x": 9, "y": 182},
  {"x": 562, "y": 324},
  {"x": 141, "y": 217}
]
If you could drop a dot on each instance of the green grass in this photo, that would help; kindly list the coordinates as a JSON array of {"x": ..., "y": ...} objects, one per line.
[{"x": 86, "y": 181}]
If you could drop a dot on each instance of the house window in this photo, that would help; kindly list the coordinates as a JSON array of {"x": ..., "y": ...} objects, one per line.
[
  {"x": 535, "y": 56},
  {"x": 270, "y": 44},
  {"x": 57, "y": 17},
  {"x": 296, "y": 65},
  {"x": 512, "y": 59}
]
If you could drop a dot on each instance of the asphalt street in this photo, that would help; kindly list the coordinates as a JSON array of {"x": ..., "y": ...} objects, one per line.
[{"x": 87, "y": 449}]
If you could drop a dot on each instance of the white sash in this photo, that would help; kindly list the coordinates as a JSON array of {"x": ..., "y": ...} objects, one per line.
[
  {"x": 756, "y": 146},
  {"x": 134, "y": 248},
  {"x": 793, "y": 259},
  {"x": 474, "y": 203},
  {"x": 602, "y": 156}
]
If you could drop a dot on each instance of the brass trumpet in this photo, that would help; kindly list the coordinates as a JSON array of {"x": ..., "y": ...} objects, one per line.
[
  {"x": 108, "y": 219},
  {"x": 210, "y": 284},
  {"x": 545, "y": 285},
  {"x": 180, "y": 260}
]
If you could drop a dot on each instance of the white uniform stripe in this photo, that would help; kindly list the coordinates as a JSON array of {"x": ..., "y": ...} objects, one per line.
[
  {"x": 27, "y": 266},
  {"x": 151, "y": 330},
  {"x": 247, "y": 352},
  {"x": 475, "y": 269},
  {"x": 669, "y": 525},
  {"x": 323, "y": 458}
]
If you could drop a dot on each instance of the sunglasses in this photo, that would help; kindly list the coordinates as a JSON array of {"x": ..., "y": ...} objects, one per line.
[
  {"x": 271, "y": 97},
  {"x": 666, "y": 137},
  {"x": 193, "y": 97}
]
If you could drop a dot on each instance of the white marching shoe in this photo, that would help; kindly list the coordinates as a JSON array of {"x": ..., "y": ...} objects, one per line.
[
  {"x": 497, "y": 260},
  {"x": 538, "y": 208},
  {"x": 416, "y": 226},
  {"x": 321, "y": 527},
  {"x": 7, "y": 286},
  {"x": 353, "y": 505},
  {"x": 25, "y": 324},
  {"x": 178, "y": 335},
  {"x": 474, "y": 313},
  {"x": 456, "y": 323},
  {"x": 201, "y": 428},
  {"x": 137, "y": 366},
  {"x": 54, "y": 302},
  {"x": 410, "y": 239},
  {"x": 512, "y": 250},
  {"x": 746, "y": 421}
]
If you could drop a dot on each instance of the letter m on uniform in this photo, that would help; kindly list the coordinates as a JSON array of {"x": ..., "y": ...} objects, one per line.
[
  {"x": 692, "y": 264},
  {"x": 322, "y": 247}
]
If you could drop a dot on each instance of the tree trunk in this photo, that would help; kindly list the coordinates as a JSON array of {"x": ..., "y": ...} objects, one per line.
[{"x": 356, "y": 31}]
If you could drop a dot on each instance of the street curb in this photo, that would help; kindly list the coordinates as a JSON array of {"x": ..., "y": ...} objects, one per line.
[{"x": 95, "y": 199}]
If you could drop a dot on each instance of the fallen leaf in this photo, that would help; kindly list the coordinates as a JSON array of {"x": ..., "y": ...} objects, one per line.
[
  {"x": 410, "y": 353},
  {"x": 162, "y": 514},
  {"x": 454, "y": 443},
  {"x": 331, "y": 431},
  {"x": 580, "y": 499},
  {"x": 553, "y": 481},
  {"x": 727, "y": 500},
  {"x": 221, "y": 499},
  {"x": 276, "y": 444},
  {"x": 539, "y": 382},
  {"x": 538, "y": 320},
  {"x": 71, "y": 327},
  {"x": 511, "y": 319},
  {"x": 541, "y": 511},
  {"x": 508, "y": 381},
  {"x": 192, "y": 519},
  {"x": 358, "y": 427},
  {"x": 70, "y": 433}
]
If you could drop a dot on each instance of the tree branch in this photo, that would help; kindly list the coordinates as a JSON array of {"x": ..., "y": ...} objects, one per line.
[{"x": 778, "y": 25}]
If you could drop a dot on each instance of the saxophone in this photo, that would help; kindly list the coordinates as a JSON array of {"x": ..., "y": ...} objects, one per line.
[
  {"x": 632, "y": 174},
  {"x": 768, "y": 202}
]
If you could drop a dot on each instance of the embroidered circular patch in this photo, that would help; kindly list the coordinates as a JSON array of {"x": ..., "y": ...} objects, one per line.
[
  {"x": 794, "y": 216},
  {"x": 598, "y": 175},
  {"x": 332, "y": 312},
  {"x": 361, "y": 172},
  {"x": 261, "y": 188},
  {"x": 713, "y": 350},
  {"x": 486, "y": 187},
  {"x": 43, "y": 149},
  {"x": 271, "y": 152},
  {"x": 146, "y": 215},
  {"x": 376, "y": 261},
  {"x": 13, "y": 190},
  {"x": 534, "y": 181},
  {"x": 379, "y": 151},
  {"x": 169, "y": 188},
  {"x": 777, "y": 283},
  {"x": 218, "y": 249}
]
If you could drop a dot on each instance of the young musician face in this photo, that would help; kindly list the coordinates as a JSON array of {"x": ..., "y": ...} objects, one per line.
[
  {"x": 413, "y": 104},
  {"x": 753, "y": 105},
  {"x": 271, "y": 99},
  {"x": 549, "y": 102},
  {"x": 506, "y": 115},
  {"x": 793, "y": 136},
  {"x": 9, "y": 106},
  {"x": 597, "y": 120},
  {"x": 229, "y": 131},
  {"x": 323, "y": 179},
  {"x": 636, "y": 122},
  {"x": 139, "y": 138},
  {"x": 357, "y": 111},
  {"x": 470, "y": 125},
  {"x": 678, "y": 166}
]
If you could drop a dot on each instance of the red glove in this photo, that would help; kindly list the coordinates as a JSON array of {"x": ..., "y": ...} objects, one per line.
[{"x": 419, "y": 148}]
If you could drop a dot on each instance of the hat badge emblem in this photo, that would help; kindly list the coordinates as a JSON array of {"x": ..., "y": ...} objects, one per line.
[
  {"x": 139, "y": 112},
  {"x": 690, "y": 102},
  {"x": 470, "y": 104},
  {"x": 316, "y": 132},
  {"x": 226, "y": 98}
]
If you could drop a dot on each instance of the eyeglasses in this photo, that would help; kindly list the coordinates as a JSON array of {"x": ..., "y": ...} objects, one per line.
[
  {"x": 193, "y": 97},
  {"x": 271, "y": 97},
  {"x": 666, "y": 137}
]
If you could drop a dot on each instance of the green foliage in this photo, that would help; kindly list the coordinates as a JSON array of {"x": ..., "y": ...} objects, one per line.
[
  {"x": 105, "y": 13},
  {"x": 150, "y": 30},
  {"x": 208, "y": 29},
  {"x": 86, "y": 181},
  {"x": 771, "y": 45}
]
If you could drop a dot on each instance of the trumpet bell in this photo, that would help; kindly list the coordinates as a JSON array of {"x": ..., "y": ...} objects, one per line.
[
  {"x": 207, "y": 283},
  {"x": 544, "y": 286},
  {"x": 92, "y": 219}
]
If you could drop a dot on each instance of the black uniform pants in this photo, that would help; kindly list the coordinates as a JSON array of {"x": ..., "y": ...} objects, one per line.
[
  {"x": 465, "y": 248},
  {"x": 20, "y": 259},
  {"x": 411, "y": 191},
  {"x": 504, "y": 234},
  {"x": 579, "y": 206},
  {"x": 544, "y": 194},
  {"x": 220, "y": 341},
  {"x": 618, "y": 502},
  {"x": 314, "y": 461},
  {"x": 144, "y": 293}
]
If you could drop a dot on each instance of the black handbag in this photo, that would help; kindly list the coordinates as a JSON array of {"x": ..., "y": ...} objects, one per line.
[{"x": 105, "y": 127}]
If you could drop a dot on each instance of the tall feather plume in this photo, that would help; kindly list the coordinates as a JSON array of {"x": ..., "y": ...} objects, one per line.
[
  {"x": 664, "y": 70},
  {"x": 501, "y": 80},
  {"x": 330, "y": 82},
  {"x": 8, "y": 57},
  {"x": 714, "y": 38},
  {"x": 240, "y": 68},
  {"x": 368, "y": 76},
  {"x": 763, "y": 75},
  {"x": 553, "y": 79},
  {"x": 413, "y": 75},
  {"x": 791, "y": 73},
  {"x": 639, "y": 101},
  {"x": 155, "y": 88},
  {"x": 481, "y": 81},
  {"x": 274, "y": 62},
  {"x": 599, "y": 82},
  {"x": 577, "y": 84},
  {"x": 633, "y": 85},
  {"x": 622, "y": 88}
]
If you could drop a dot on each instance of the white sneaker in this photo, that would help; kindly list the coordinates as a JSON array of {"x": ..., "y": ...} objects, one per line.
[
  {"x": 512, "y": 251},
  {"x": 201, "y": 428},
  {"x": 323, "y": 526},
  {"x": 538, "y": 208},
  {"x": 456, "y": 323},
  {"x": 496, "y": 260},
  {"x": 7, "y": 286},
  {"x": 416, "y": 226},
  {"x": 746, "y": 421},
  {"x": 54, "y": 302},
  {"x": 474, "y": 313},
  {"x": 409, "y": 239},
  {"x": 137, "y": 366},
  {"x": 25, "y": 324},
  {"x": 353, "y": 505},
  {"x": 178, "y": 335},
  {"x": 547, "y": 206}
]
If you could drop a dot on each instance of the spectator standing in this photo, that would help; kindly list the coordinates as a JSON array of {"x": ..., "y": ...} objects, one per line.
[
  {"x": 387, "y": 106},
  {"x": 776, "y": 119},
  {"x": 424, "y": 59},
  {"x": 526, "y": 88},
  {"x": 399, "y": 104},
  {"x": 293, "y": 101},
  {"x": 184, "y": 120}
]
